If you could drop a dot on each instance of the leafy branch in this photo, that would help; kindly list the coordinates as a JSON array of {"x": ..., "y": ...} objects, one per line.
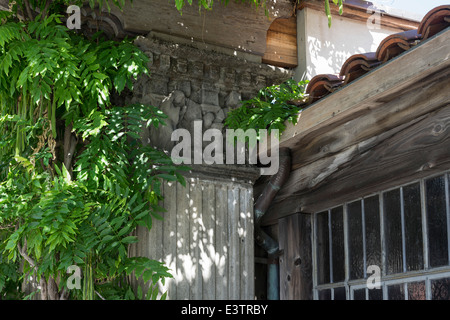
[
  {"x": 270, "y": 109},
  {"x": 75, "y": 178}
]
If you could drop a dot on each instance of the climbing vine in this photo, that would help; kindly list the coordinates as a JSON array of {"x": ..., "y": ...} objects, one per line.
[
  {"x": 75, "y": 178},
  {"x": 208, "y": 5},
  {"x": 270, "y": 108}
]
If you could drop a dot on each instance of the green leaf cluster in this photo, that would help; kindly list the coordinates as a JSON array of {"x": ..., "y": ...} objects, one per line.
[
  {"x": 269, "y": 109},
  {"x": 56, "y": 95},
  {"x": 339, "y": 3}
]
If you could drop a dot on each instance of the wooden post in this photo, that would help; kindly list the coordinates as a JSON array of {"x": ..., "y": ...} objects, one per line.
[{"x": 296, "y": 257}]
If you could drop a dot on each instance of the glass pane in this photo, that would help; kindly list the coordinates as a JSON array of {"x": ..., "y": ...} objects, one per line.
[
  {"x": 413, "y": 227},
  {"x": 337, "y": 243},
  {"x": 396, "y": 292},
  {"x": 416, "y": 291},
  {"x": 393, "y": 232},
  {"x": 325, "y": 294},
  {"x": 436, "y": 221},
  {"x": 355, "y": 239},
  {"x": 359, "y": 294},
  {"x": 372, "y": 229},
  {"x": 375, "y": 294},
  {"x": 440, "y": 289},
  {"x": 339, "y": 294},
  {"x": 323, "y": 248}
]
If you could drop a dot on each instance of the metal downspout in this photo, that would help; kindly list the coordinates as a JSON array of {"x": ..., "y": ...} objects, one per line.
[{"x": 262, "y": 238}]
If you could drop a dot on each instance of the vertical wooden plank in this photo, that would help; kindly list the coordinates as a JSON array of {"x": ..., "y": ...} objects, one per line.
[
  {"x": 133, "y": 252},
  {"x": 285, "y": 263},
  {"x": 154, "y": 244},
  {"x": 233, "y": 262},
  {"x": 141, "y": 250},
  {"x": 296, "y": 260},
  {"x": 281, "y": 43},
  {"x": 183, "y": 261},
  {"x": 251, "y": 243},
  {"x": 242, "y": 234},
  {"x": 206, "y": 240},
  {"x": 195, "y": 243},
  {"x": 208, "y": 244},
  {"x": 170, "y": 236},
  {"x": 221, "y": 244},
  {"x": 246, "y": 244}
]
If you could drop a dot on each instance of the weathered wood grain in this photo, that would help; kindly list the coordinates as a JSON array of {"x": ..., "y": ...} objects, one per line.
[
  {"x": 411, "y": 151},
  {"x": 195, "y": 233},
  {"x": 207, "y": 253},
  {"x": 183, "y": 275},
  {"x": 336, "y": 131},
  {"x": 368, "y": 91},
  {"x": 170, "y": 235},
  {"x": 221, "y": 233},
  {"x": 234, "y": 264},
  {"x": 246, "y": 242},
  {"x": 388, "y": 112},
  {"x": 206, "y": 237},
  {"x": 321, "y": 150},
  {"x": 296, "y": 259},
  {"x": 281, "y": 49}
]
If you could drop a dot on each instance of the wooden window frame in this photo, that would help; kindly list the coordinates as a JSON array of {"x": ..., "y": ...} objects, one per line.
[{"x": 427, "y": 274}]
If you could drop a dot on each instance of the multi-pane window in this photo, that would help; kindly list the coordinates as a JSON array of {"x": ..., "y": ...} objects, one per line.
[{"x": 393, "y": 245}]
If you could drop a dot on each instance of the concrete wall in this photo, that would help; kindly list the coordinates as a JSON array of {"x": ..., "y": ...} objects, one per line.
[{"x": 323, "y": 50}]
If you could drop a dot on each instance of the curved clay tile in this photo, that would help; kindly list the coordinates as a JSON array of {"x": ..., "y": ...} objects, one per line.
[
  {"x": 322, "y": 85},
  {"x": 357, "y": 65},
  {"x": 396, "y": 43},
  {"x": 435, "y": 21}
]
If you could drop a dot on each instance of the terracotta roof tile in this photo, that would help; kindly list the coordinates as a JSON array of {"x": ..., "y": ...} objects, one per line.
[
  {"x": 396, "y": 44},
  {"x": 357, "y": 65},
  {"x": 434, "y": 21},
  {"x": 322, "y": 85}
]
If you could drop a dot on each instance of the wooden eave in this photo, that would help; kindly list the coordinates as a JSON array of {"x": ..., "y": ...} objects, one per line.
[
  {"x": 236, "y": 26},
  {"x": 383, "y": 129},
  {"x": 360, "y": 13}
]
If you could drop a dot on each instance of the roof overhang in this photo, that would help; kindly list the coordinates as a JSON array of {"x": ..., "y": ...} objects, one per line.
[{"x": 333, "y": 132}]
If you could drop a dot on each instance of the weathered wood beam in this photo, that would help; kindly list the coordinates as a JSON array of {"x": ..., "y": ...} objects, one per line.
[
  {"x": 386, "y": 113},
  {"x": 238, "y": 26},
  {"x": 373, "y": 88},
  {"x": 319, "y": 149},
  {"x": 338, "y": 130},
  {"x": 411, "y": 151},
  {"x": 296, "y": 258}
]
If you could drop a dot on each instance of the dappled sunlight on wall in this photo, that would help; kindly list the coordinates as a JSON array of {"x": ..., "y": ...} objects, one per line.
[
  {"x": 205, "y": 239},
  {"x": 326, "y": 49}
]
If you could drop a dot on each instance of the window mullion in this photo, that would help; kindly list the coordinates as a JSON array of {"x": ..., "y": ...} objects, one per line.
[
  {"x": 314, "y": 256},
  {"x": 447, "y": 206},
  {"x": 409, "y": 198},
  {"x": 346, "y": 250},
  {"x": 383, "y": 245},
  {"x": 423, "y": 203},
  {"x": 402, "y": 215},
  {"x": 330, "y": 244},
  {"x": 363, "y": 225}
]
